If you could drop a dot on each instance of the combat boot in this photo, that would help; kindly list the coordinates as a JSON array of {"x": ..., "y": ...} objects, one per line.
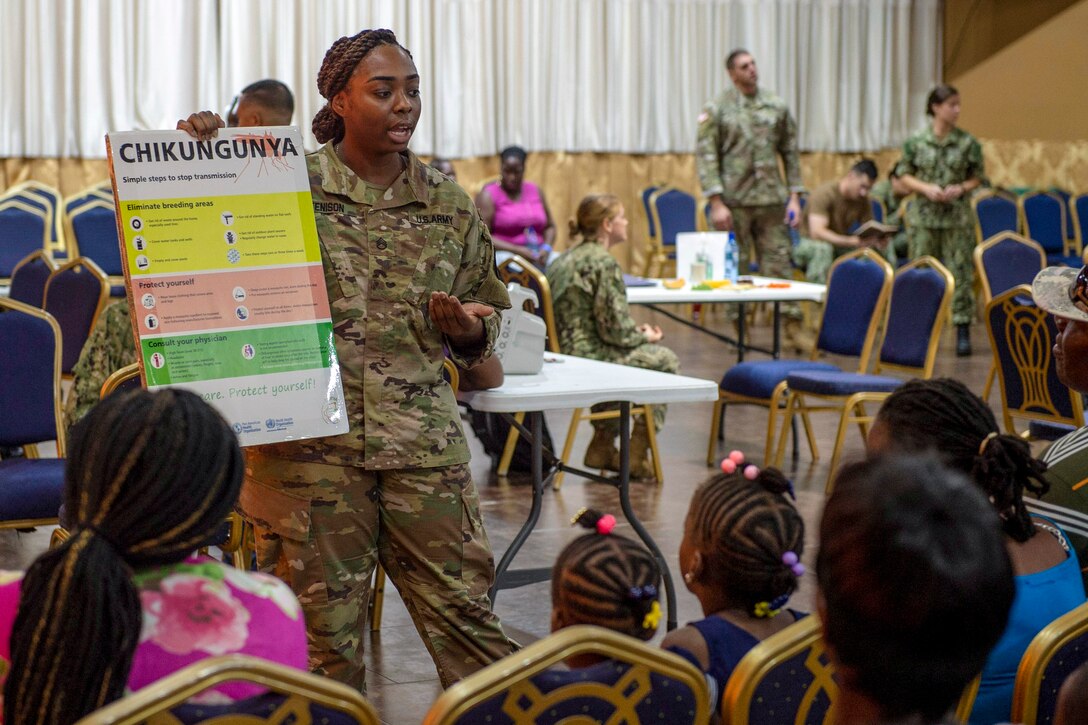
[
  {"x": 602, "y": 450},
  {"x": 641, "y": 467},
  {"x": 797, "y": 337},
  {"x": 963, "y": 340}
]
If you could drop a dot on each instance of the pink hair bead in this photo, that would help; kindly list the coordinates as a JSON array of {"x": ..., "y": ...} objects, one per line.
[
  {"x": 728, "y": 466},
  {"x": 605, "y": 524},
  {"x": 737, "y": 457},
  {"x": 750, "y": 472}
]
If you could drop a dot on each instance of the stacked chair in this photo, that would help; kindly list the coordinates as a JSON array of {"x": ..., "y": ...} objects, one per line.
[
  {"x": 995, "y": 212},
  {"x": 29, "y": 276},
  {"x": 75, "y": 294},
  {"x": 91, "y": 231},
  {"x": 26, "y": 230},
  {"x": 1043, "y": 216},
  {"x": 920, "y": 302},
  {"x": 672, "y": 211},
  {"x": 47, "y": 200}
]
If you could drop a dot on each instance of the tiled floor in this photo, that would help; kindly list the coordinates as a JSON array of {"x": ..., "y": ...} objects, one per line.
[{"x": 401, "y": 678}]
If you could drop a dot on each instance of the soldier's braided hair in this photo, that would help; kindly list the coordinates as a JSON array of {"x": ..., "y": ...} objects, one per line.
[
  {"x": 340, "y": 62},
  {"x": 743, "y": 528},
  {"x": 944, "y": 415},
  {"x": 150, "y": 477},
  {"x": 607, "y": 580}
]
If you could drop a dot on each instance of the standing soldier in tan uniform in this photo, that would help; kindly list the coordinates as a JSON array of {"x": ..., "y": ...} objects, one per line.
[
  {"x": 943, "y": 165},
  {"x": 410, "y": 275},
  {"x": 742, "y": 133}
]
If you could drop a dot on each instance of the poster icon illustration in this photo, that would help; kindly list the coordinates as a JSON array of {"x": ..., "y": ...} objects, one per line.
[
  {"x": 148, "y": 301},
  {"x": 139, "y": 243},
  {"x": 231, "y": 237},
  {"x": 248, "y": 352},
  {"x": 136, "y": 223},
  {"x": 233, "y": 256},
  {"x": 157, "y": 360},
  {"x": 227, "y": 217},
  {"x": 241, "y": 312},
  {"x": 142, "y": 262},
  {"x": 152, "y": 322},
  {"x": 239, "y": 294}
]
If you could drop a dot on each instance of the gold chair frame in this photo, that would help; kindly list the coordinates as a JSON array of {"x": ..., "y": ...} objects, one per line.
[
  {"x": 778, "y": 396},
  {"x": 153, "y": 703},
  {"x": 42, "y": 254},
  {"x": 46, "y": 194},
  {"x": 1034, "y": 349},
  {"x": 73, "y": 239},
  {"x": 805, "y": 634},
  {"x": 852, "y": 407},
  {"x": 31, "y": 451},
  {"x": 1046, "y": 645},
  {"x": 984, "y": 282},
  {"x": 24, "y": 207},
  {"x": 512, "y": 675},
  {"x": 1078, "y": 227}
]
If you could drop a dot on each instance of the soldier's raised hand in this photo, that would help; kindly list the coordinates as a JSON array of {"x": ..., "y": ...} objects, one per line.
[
  {"x": 461, "y": 323},
  {"x": 202, "y": 125}
]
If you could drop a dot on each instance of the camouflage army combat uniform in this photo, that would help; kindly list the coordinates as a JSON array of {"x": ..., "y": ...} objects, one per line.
[
  {"x": 109, "y": 348},
  {"x": 944, "y": 230},
  {"x": 395, "y": 489},
  {"x": 594, "y": 321},
  {"x": 739, "y": 142}
]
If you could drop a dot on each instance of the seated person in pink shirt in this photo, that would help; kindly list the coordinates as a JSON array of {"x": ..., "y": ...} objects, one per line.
[
  {"x": 122, "y": 603},
  {"x": 516, "y": 213}
]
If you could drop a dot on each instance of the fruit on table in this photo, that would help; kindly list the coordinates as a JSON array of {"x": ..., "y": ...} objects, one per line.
[{"x": 674, "y": 283}]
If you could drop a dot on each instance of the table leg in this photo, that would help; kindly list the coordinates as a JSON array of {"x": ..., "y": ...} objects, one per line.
[
  {"x": 776, "y": 346},
  {"x": 741, "y": 322},
  {"x": 530, "y": 575},
  {"x": 624, "y": 485}
]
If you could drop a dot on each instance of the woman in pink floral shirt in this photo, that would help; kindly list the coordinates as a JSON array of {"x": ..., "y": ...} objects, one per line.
[{"x": 121, "y": 604}]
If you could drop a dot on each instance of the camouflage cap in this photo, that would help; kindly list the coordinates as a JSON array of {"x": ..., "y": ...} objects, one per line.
[{"x": 1062, "y": 291}]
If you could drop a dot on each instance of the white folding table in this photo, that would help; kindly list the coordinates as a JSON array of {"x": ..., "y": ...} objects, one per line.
[
  {"x": 573, "y": 382},
  {"x": 760, "y": 291}
]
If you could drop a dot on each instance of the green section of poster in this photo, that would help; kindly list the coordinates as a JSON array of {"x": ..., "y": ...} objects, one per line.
[{"x": 236, "y": 354}]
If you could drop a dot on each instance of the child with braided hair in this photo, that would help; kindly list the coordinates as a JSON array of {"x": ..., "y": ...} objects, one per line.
[
  {"x": 150, "y": 478},
  {"x": 740, "y": 557},
  {"x": 943, "y": 416}
]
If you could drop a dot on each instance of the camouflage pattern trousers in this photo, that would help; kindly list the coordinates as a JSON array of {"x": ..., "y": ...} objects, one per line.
[
  {"x": 954, "y": 248},
  {"x": 322, "y": 528},
  {"x": 649, "y": 356},
  {"x": 762, "y": 231}
]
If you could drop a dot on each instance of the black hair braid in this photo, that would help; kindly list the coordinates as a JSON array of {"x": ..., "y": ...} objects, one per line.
[
  {"x": 150, "y": 478},
  {"x": 943, "y": 414},
  {"x": 607, "y": 580},
  {"x": 743, "y": 528},
  {"x": 336, "y": 69}
]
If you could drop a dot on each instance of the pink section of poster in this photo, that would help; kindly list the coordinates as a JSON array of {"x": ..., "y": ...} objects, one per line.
[{"x": 194, "y": 303}]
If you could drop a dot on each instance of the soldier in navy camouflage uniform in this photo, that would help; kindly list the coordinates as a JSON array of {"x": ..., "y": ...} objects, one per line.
[
  {"x": 409, "y": 269},
  {"x": 594, "y": 321},
  {"x": 943, "y": 165},
  {"x": 742, "y": 134}
]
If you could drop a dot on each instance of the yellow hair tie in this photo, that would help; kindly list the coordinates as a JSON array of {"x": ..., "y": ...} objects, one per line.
[
  {"x": 652, "y": 617},
  {"x": 763, "y": 610},
  {"x": 985, "y": 441}
]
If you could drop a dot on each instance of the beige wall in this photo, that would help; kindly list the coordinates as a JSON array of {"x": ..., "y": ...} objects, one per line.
[{"x": 1033, "y": 88}]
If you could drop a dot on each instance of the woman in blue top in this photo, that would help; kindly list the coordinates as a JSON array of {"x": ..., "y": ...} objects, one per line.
[
  {"x": 743, "y": 540},
  {"x": 944, "y": 416}
]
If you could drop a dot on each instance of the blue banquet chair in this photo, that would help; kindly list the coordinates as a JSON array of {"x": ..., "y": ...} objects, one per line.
[
  {"x": 651, "y": 230},
  {"x": 91, "y": 231},
  {"x": 673, "y": 211},
  {"x": 25, "y": 230},
  {"x": 75, "y": 294},
  {"x": 46, "y": 198},
  {"x": 636, "y": 682},
  {"x": 31, "y": 487},
  {"x": 1044, "y": 221},
  {"x": 1078, "y": 206},
  {"x": 1002, "y": 262},
  {"x": 858, "y": 286},
  {"x": 29, "y": 277},
  {"x": 995, "y": 212},
  {"x": 920, "y": 303},
  {"x": 1022, "y": 336}
]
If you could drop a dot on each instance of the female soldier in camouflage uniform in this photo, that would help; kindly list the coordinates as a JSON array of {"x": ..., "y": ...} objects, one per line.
[
  {"x": 943, "y": 165},
  {"x": 594, "y": 321},
  {"x": 409, "y": 270}
]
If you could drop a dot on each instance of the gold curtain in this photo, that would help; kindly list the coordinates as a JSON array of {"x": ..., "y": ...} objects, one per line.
[{"x": 567, "y": 177}]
